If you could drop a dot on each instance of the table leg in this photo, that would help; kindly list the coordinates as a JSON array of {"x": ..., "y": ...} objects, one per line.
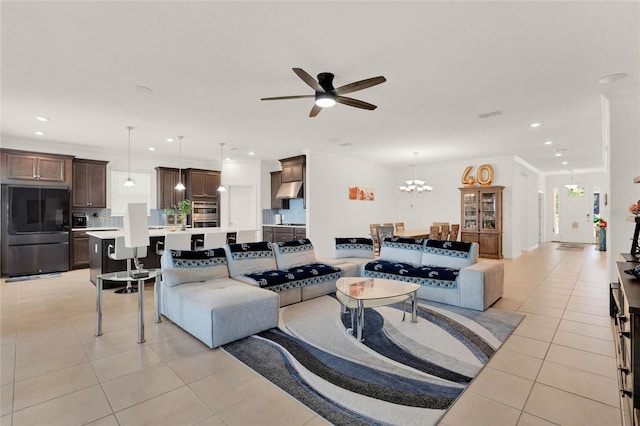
[
  {"x": 98, "y": 306},
  {"x": 414, "y": 306},
  {"x": 141, "y": 311},
  {"x": 158, "y": 299},
  {"x": 359, "y": 320}
]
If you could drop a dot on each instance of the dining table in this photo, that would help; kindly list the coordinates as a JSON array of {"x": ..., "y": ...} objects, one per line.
[{"x": 412, "y": 233}]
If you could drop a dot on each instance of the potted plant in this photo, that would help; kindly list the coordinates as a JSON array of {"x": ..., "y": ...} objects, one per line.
[{"x": 184, "y": 207}]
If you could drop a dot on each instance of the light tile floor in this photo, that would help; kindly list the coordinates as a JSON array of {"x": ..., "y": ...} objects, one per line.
[{"x": 557, "y": 368}]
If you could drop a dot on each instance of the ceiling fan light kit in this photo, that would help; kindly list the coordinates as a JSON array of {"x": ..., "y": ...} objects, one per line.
[{"x": 327, "y": 96}]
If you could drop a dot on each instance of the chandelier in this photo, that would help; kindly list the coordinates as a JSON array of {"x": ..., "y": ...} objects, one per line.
[{"x": 415, "y": 185}]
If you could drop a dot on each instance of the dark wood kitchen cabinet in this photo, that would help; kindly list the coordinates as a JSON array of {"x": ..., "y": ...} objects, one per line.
[
  {"x": 202, "y": 185},
  {"x": 22, "y": 167},
  {"x": 166, "y": 180},
  {"x": 276, "y": 181},
  {"x": 89, "y": 188},
  {"x": 276, "y": 234},
  {"x": 293, "y": 168},
  {"x": 79, "y": 250}
]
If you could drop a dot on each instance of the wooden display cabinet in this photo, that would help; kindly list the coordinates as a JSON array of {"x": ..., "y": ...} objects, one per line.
[{"x": 481, "y": 219}]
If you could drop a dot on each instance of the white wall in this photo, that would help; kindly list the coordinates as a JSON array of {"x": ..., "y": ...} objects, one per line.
[
  {"x": 623, "y": 165},
  {"x": 329, "y": 211}
]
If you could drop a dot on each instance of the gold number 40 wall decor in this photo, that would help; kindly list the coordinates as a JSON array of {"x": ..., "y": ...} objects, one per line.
[{"x": 484, "y": 176}]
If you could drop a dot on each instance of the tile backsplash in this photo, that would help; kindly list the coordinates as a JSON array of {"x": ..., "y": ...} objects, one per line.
[
  {"x": 294, "y": 214},
  {"x": 101, "y": 218}
]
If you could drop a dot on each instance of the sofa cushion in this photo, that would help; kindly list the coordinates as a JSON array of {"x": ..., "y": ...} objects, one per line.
[
  {"x": 245, "y": 258},
  {"x": 431, "y": 276},
  {"x": 402, "y": 250},
  {"x": 187, "y": 266},
  {"x": 294, "y": 253},
  {"x": 353, "y": 247},
  {"x": 284, "y": 279},
  {"x": 451, "y": 254}
]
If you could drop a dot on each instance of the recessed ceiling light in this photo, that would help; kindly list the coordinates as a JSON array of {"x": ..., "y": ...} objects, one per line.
[
  {"x": 534, "y": 125},
  {"x": 42, "y": 118},
  {"x": 151, "y": 148},
  {"x": 252, "y": 153},
  {"x": 169, "y": 140},
  {"x": 564, "y": 163},
  {"x": 558, "y": 154},
  {"x": 227, "y": 159},
  {"x": 548, "y": 142},
  {"x": 612, "y": 77},
  {"x": 39, "y": 133}
]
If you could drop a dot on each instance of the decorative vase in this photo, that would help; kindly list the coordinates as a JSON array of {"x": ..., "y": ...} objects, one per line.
[{"x": 183, "y": 222}]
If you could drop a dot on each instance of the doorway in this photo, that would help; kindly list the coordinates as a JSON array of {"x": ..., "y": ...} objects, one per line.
[{"x": 576, "y": 213}]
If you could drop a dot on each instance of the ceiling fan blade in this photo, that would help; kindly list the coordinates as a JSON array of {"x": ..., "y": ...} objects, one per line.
[
  {"x": 355, "y": 103},
  {"x": 308, "y": 79},
  {"x": 315, "y": 110},
  {"x": 359, "y": 85},
  {"x": 278, "y": 98}
]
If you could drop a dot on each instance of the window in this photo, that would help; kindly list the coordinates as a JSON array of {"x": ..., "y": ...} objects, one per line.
[
  {"x": 575, "y": 190},
  {"x": 122, "y": 195}
]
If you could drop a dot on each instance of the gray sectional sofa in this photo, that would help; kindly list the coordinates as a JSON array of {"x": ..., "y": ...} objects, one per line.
[{"x": 221, "y": 295}]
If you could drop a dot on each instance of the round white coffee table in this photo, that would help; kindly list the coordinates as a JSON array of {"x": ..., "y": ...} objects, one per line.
[{"x": 359, "y": 293}]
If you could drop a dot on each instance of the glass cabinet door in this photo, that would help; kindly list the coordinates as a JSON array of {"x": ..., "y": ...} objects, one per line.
[
  {"x": 470, "y": 211},
  {"x": 488, "y": 211}
]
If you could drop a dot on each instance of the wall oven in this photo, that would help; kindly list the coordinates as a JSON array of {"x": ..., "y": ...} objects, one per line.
[{"x": 204, "y": 214}]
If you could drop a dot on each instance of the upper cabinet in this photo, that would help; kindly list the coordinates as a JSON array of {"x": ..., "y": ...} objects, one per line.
[
  {"x": 166, "y": 180},
  {"x": 42, "y": 169},
  {"x": 481, "y": 219},
  {"x": 293, "y": 168},
  {"x": 202, "y": 185},
  {"x": 89, "y": 188},
  {"x": 276, "y": 180}
]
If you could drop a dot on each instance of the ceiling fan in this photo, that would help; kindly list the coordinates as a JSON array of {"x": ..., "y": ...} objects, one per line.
[{"x": 327, "y": 96}]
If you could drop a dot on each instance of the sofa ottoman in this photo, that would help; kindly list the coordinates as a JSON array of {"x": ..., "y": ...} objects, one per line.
[{"x": 197, "y": 295}]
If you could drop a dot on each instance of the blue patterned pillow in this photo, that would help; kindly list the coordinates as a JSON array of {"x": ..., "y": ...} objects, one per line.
[
  {"x": 290, "y": 254},
  {"x": 353, "y": 247},
  {"x": 187, "y": 266},
  {"x": 398, "y": 249},
  {"x": 450, "y": 254},
  {"x": 245, "y": 258}
]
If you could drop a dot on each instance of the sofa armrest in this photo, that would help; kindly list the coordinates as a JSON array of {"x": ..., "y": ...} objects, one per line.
[{"x": 481, "y": 284}]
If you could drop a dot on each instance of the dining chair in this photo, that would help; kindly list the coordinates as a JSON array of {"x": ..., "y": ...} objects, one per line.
[
  {"x": 388, "y": 224},
  {"x": 444, "y": 232},
  {"x": 399, "y": 226},
  {"x": 434, "y": 232},
  {"x": 118, "y": 251},
  {"x": 453, "y": 234},
  {"x": 373, "y": 232},
  {"x": 384, "y": 232},
  {"x": 174, "y": 241}
]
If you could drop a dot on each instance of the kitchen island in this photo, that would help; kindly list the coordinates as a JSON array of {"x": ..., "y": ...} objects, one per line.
[{"x": 101, "y": 263}]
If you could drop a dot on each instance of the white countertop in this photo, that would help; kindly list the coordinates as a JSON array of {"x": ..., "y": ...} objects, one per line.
[
  {"x": 153, "y": 232},
  {"x": 284, "y": 225}
]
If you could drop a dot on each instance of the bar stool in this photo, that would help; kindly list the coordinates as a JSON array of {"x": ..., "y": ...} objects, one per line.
[
  {"x": 174, "y": 241},
  {"x": 118, "y": 251},
  {"x": 246, "y": 236},
  {"x": 212, "y": 240}
]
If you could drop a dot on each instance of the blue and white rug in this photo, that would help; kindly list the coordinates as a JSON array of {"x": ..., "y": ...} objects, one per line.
[{"x": 404, "y": 373}]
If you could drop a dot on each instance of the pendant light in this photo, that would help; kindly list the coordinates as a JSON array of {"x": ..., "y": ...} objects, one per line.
[
  {"x": 415, "y": 185},
  {"x": 180, "y": 185},
  {"x": 221, "y": 188},
  {"x": 129, "y": 182}
]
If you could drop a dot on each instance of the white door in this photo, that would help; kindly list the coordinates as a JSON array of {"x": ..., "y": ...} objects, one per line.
[
  {"x": 577, "y": 221},
  {"x": 242, "y": 207}
]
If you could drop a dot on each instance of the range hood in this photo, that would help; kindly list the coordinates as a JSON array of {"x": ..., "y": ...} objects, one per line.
[{"x": 289, "y": 190}]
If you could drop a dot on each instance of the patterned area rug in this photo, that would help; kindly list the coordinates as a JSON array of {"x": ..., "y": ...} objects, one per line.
[{"x": 404, "y": 373}]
